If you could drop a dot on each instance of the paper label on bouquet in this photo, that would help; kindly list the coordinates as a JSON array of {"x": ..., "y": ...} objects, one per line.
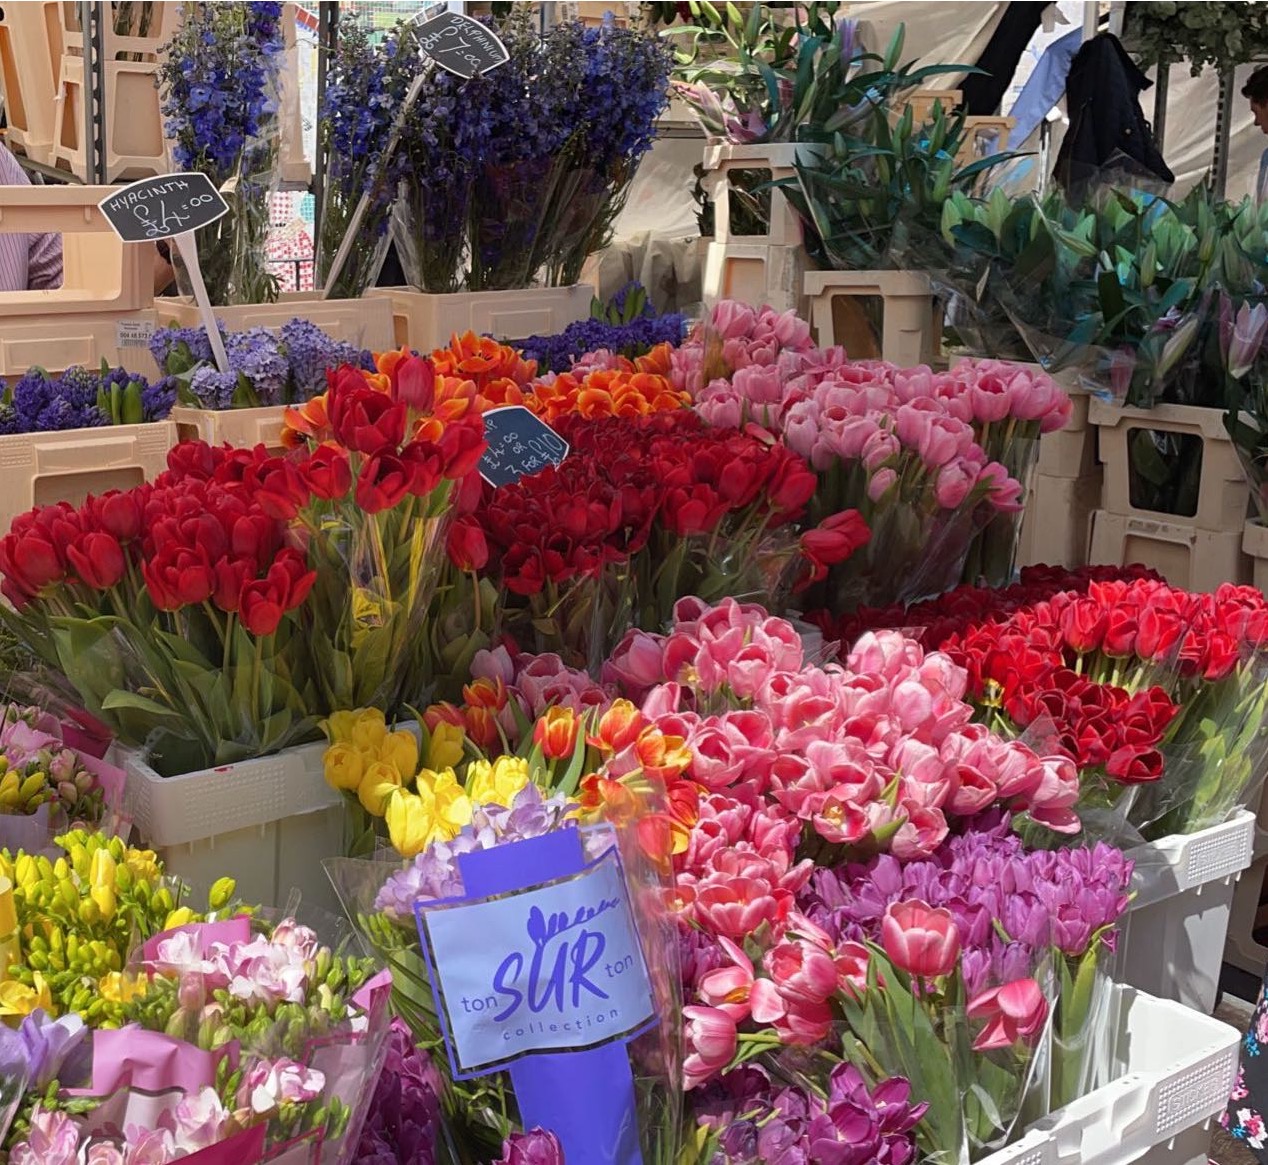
[
  {"x": 558, "y": 968},
  {"x": 520, "y": 444},
  {"x": 461, "y": 45},
  {"x": 162, "y": 207}
]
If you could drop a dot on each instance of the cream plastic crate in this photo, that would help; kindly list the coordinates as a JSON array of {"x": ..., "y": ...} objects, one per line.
[
  {"x": 41, "y": 468},
  {"x": 1058, "y": 517},
  {"x": 1071, "y": 451},
  {"x": 1172, "y": 940},
  {"x": 911, "y": 321},
  {"x": 1187, "y": 557},
  {"x": 292, "y": 165},
  {"x": 135, "y": 147},
  {"x": 268, "y": 822},
  {"x": 984, "y": 136},
  {"x": 1174, "y": 1069},
  {"x": 1223, "y": 497},
  {"x": 777, "y": 161},
  {"x": 30, "y": 56},
  {"x": 1255, "y": 544},
  {"x": 755, "y": 273},
  {"x": 426, "y": 321},
  {"x": 105, "y": 306},
  {"x": 163, "y": 22},
  {"x": 366, "y": 323},
  {"x": 241, "y": 428}
]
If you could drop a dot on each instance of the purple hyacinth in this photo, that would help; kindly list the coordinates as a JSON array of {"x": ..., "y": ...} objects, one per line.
[
  {"x": 256, "y": 355},
  {"x": 403, "y": 1124},
  {"x": 213, "y": 389}
]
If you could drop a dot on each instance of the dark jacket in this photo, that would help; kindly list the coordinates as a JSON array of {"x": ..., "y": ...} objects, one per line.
[{"x": 1107, "y": 127}]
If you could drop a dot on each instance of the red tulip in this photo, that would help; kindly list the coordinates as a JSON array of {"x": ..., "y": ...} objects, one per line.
[
  {"x": 833, "y": 541},
  {"x": 462, "y": 444},
  {"x": 414, "y": 383},
  {"x": 260, "y": 607},
  {"x": 279, "y": 488},
  {"x": 232, "y": 574},
  {"x": 919, "y": 939},
  {"x": 178, "y": 578},
  {"x": 328, "y": 472},
  {"x": 383, "y": 481},
  {"x": 98, "y": 560},
  {"x": 1014, "y": 1013},
  {"x": 118, "y": 514},
  {"x": 365, "y": 420},
  {"x": 467, "y": 547},
  {"x": 29, "y": 563}
]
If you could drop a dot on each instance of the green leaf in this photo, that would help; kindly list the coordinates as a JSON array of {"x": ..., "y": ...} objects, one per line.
[{"x": 121, "y": 699}]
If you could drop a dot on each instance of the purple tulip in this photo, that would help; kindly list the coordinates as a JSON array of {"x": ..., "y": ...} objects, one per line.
[{"x": 536, "y": 1147}]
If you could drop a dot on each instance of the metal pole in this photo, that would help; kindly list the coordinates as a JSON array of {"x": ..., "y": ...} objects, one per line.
[
  {"x": 1160, "y": 102},
  {"x": 327, "y": 42},
  {"x": 1223, "y": 114},
  {"x": 92, "y": 17}
]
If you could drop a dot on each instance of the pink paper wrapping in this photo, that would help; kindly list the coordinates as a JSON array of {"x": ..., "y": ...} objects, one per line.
[
  {"x": 227, "y": 931},
  {"x": 32, "y": 832},
  {"x": 133, "y": 1058}
]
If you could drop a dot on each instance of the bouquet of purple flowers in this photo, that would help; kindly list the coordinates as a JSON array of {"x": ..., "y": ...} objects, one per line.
[{"x": 83, "y": 399}]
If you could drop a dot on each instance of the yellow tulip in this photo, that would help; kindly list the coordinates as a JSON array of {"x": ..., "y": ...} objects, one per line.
[
  {"x": 344, "y": 766},
  {"x": 17, "y": 999},
  {"x": 338, "y": 728},
  {"x": 410, "y": 821},
  {"x": 103, "y": 867},
  {"x": 497, "y": 783},
  {"x": 369, "y": 730},
  {"x": 400, "y": 749},
  {"x": 444, "y": 750},
  {"x": 379, "y": 782},
  {"x": 453, "y": 806}
]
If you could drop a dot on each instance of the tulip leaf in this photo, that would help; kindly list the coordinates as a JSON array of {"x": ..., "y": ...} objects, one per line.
[{"x": 134, "y": 700}]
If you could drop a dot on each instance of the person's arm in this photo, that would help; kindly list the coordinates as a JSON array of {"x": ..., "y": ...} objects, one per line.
[{"x": 44, "y": 266}]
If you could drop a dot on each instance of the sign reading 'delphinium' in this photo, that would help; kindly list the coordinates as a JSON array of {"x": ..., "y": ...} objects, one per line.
[
  {"x": 558, "y": 968},
  {"x": 158, "y": 208},
  {"x": 461, "y": 45},
  {"x": 520, "y": 444}
]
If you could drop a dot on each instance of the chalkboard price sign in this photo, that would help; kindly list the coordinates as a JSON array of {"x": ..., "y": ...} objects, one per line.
[
  {"x": 460, "y": 45},
  {"x": 162, "y": 207},
  {"x": 519, "y": 445}
]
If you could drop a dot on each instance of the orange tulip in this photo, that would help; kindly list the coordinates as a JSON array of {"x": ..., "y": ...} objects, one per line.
[
  {"x": 556, "y": 732},
  {"x": 485, "y": 693},
  {"x": 662, "y": 757},
  {"x": 618, "y": 727},
  {"x": 307, "y": 422}
]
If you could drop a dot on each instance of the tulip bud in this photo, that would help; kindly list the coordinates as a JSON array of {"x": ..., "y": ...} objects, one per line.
[{"x": 222, "y": 893}]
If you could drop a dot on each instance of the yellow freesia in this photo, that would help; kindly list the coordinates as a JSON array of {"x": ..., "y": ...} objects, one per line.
[
  {"x": 369, "y": 730},
  {"x": 143, "y": 863},
  {"x": 400, "y": 749},
  {"x": 444, "y": 750},
  {"x": 344, "y": 766},
  {"x": 411, "y": 821},
  {"x": 378, "y": 783},
  {"x": 181, "y": 916},
  {"x": 119, "y": 987},
  {"x": 17, "y": 999},
  {"x": 103, "y": 869}
]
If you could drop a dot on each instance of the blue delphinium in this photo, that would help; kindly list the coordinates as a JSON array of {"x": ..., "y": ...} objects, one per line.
[{"x": 219, "y": 78}]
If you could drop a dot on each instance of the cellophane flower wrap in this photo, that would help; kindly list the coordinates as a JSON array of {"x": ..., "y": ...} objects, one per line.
[
  {"x": 365, "y": 88},
  {"x": 219, "y": 78},
  {"x": 47, "y": 787},
  {"x": 487, "y": 807},
  {"x": 172, "y": 607},
  {"x": 782, "y": 894},
  {"x": 642, "y": 510},
  {"x": 902, "y": 447}
]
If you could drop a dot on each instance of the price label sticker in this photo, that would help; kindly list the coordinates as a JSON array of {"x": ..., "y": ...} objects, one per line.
[
  {"x": 133, "y": 333},
  {"x": 460, "y": 45},
  {"x": 159, "y": 208},
  {"x": 520, "y": 444}
]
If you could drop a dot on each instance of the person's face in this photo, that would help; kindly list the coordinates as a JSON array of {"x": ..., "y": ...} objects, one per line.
[{"x": 1260, "y": 110}]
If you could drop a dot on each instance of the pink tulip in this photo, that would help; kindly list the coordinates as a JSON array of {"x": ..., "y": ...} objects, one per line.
[
  {"x": 723, "y": 410},
  {"x": 953, "y": 484},
  {"x": 732, "y": 319},
  {"x": 1014, "y": 1013},
  {"x": 637, "y": 664},
  {"x": 738, "y": 906},
  {"x": 919, "y": 939},
  {"x": 711, "y": 1040},
  {"x": 924, "y": 830},
  {"x": 881, "y": 482},
  {"x": 851, "y": 964},
  {"x": 1004, "y": 491}
]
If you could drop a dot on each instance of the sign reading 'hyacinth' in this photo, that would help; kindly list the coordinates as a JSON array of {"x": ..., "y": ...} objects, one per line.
[
  {"x": 159, "y": 208},
  {"x": 520, "y": 444},
  {"x": 558, "y": 968},
  {"x": 460, "y": 45}
]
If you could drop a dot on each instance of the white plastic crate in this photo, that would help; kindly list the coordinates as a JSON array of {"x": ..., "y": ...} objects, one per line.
[
  {"x": 1071, "y": 450},
  {"x": 777, "y": 161},
  {"x": 756, "y": 273},
  {"x": 42, "y": 468},
  {"x": 241, "y": 428},
  {"x": 911, "y": 319},
  {"x": 1174, "y": 1070},
  {"x": 1172, "y": 940},
  {"x": 426, "y": 321},
  {"x": 268, "y": 822},
  {"x": 1186, "y": 556}
]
